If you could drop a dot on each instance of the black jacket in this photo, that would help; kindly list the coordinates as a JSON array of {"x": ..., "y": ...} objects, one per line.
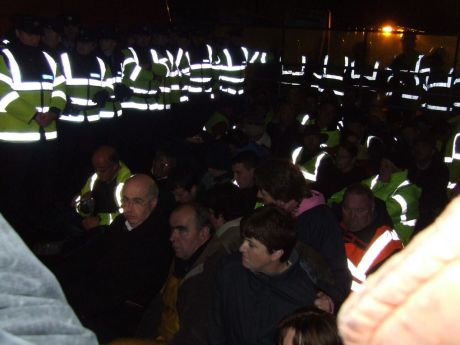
[{"x": 249, "y": 305}]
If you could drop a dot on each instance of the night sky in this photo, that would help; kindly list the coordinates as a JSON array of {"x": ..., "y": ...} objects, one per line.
[{"x": 441, "y": 16}]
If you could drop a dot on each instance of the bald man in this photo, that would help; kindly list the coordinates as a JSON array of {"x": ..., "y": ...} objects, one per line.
[
  {"x": 100, "y": 199},
  {"x": 127, "y": 267}
]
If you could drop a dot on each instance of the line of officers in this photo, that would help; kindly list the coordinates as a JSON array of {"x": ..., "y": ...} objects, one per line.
[
  {"x": 412, "y": 81},
  {"x": 76, "y": 85}
]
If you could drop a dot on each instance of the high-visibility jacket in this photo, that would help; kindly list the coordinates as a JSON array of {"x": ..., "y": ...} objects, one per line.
[
  {"x": 310, "y": 168},
  {"x": 25, "y": 89},
  {"x": 364, "y": 76},
  {"x": 452, "y": 156},
  {"x": 437, "y": 96},
  {"x": 229, "y": 70},
  {"x": 144, "y": 81},
  {"x": 405, "y": 86},
  {"x": 217, "y": 125},
  {"x": 84, "y": 77},
  {"x": 200, "y": 60},
  {"x": 177, "y": 78},
  {"x": 401, "y": 199},
  {"x": 123, "y": 174},
  {"x": 331, "y": 76},
  {"x": 364, "y": 258},
  {"x": 294, "y": 73},
  {"x": 333, "y": 135}
]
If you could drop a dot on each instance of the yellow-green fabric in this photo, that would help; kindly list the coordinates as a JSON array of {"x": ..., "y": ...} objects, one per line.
[
  {"x": 169, "y": 324},
  {"x": 216, "y": 119},
  {"x": 123, "y": 174},
  {"x": 18, "y": 106},
  {"x": 144, "y": 82},
  {"x": 401, "y": 200}
]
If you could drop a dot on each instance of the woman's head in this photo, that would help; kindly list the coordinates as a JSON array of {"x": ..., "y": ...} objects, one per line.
[{"x": 308, "y": 326}]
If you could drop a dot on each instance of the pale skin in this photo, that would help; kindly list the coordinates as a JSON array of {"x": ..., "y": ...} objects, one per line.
[
  {"x": 322, "y": 301},
  {"x": 413, "y": 298}
]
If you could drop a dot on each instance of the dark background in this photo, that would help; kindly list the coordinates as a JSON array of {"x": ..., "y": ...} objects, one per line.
[{"x": 441, "y": 16}]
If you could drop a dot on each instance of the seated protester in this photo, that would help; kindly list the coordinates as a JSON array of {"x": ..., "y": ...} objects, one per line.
[
  {"x": 262, "y": 284},
  {"x": 243, "y": 167},
  {"x": 314, "y": 161},
  {"x": 327, "y": 121},
  {"x": 186, "y": 185},
  {"x": 281, "y": 183},
  {"x": 163, "y": 164},
  {"x": 218, "y": 164},
  {"x": 226, "y": 209},
  {"x": 368, "y": 233},
  {"x": 393, "y": 186},
  {"x": 284, "y": 130},
  {"x": 348, "y": 171},
  {"x": 432, "y": 176},
  {"x": 309, "y": 326},
  {"x": 111, "y": 281},
  {"x": 187, "y": 293},
  {"x": 259, "y": 140},
  {"x": 99, "y": 200},
  {"x": 34, "y": 309}
]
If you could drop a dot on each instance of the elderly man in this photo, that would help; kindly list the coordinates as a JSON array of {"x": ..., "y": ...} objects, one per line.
[
  {"x": 99, "y": 199},
  {"x": 126, "y": 267},
  {"x": 368, "y": 234},
  {"x": 187, "y": 295}
]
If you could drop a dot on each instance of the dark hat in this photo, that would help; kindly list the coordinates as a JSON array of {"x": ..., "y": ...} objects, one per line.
[
  {"x": 29, "y": 24},
  {"x": 315, "y": 130},
  {"x": 109, "y": 34},
  {"x": 142, "y": 30},
  {"x": 56, "y": 25},
  {"x": 85, "y": 35}
]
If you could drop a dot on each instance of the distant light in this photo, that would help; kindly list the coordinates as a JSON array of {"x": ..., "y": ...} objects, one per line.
[{"x": 388, "y": 29}]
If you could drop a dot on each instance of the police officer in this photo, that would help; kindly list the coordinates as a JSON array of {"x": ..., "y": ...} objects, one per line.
[{"x": 31, "y": 98}]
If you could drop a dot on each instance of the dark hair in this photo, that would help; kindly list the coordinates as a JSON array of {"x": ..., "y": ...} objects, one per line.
[
  {"x": 311, "y": 326},
  {"x": 201, "y": 215},
  {"x": 360, "y": 189},
  {"x": 273, "y": 227},
  {"x": 249, "y": 159},
  {"x": 185, "y": 178},
  {"x": 225, "y": 200},
  {"x": 282, "y": 180}
]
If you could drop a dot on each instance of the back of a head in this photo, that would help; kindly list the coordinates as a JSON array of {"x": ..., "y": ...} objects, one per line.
[
  {"x": 224, "y": 200},
  {"x": 282, "y": 180},
  {"x": 309, "y": 326}
]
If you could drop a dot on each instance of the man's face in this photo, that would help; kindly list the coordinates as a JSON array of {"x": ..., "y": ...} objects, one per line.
[
  {"x": 28, "y": 39},
  {"x": 255, "y": 255},
  {"x": 243, "y": 176},
  {"x": 185, "y": 237},
  {"x": 357, "y": 212},
  {"x": 105, "y": 169},
  {"x": 137, "y": 205},
  {"x": 85, "y": 48},
  {"x": 161, "y": 166}
]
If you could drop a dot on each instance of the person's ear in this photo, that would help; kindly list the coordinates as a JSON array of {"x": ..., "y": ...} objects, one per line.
[{"x": 277, "y": 255}]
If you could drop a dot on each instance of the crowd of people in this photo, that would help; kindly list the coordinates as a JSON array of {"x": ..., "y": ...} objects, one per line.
[{"x": 228, "y": 213}]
